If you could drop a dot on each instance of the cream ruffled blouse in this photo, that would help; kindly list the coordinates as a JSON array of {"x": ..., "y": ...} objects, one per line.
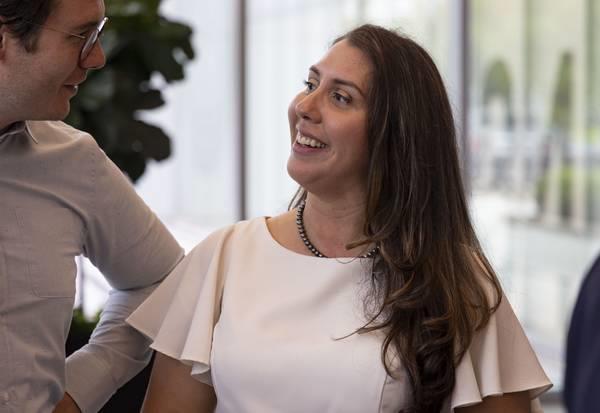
[{"x": 271, "y": 330}]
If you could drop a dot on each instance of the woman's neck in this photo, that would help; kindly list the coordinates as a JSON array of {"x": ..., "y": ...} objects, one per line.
[{"x": 331, "y": 225}]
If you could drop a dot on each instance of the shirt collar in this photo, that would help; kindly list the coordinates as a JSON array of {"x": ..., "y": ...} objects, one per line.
[{"x": 17, "y": 128}]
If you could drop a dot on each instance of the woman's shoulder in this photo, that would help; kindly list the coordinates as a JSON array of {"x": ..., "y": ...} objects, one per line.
[
  {"x": 194, "y": 287},
  {"x": 500, "y": 358},
  {"x": 238, "y": 232}
]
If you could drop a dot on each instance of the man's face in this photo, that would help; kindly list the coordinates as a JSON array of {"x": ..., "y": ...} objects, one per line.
[{"x": 40, "y": 83}]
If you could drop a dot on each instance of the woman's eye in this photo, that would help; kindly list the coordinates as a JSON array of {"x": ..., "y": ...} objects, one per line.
[
  {"x": 309, "y": 85},
  {"x": 341, "y": 98}
]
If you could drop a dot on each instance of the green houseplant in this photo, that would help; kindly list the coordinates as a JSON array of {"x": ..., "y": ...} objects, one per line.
[{"x": 144, "y": 52}]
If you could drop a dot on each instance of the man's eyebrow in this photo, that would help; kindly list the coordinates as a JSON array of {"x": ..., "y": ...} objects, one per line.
[
  {"x": 89, "y": 25},
  {"x": 340, "y": 81}
]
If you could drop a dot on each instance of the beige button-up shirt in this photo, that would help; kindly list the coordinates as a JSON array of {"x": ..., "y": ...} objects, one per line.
[{"x": 60, "y": 196}]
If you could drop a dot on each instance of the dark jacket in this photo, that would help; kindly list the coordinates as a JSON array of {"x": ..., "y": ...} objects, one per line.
[{"x": 582, "y": 376}]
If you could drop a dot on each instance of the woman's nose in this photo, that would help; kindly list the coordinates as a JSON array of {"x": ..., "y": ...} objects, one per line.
[{"x": 308, "y": 106}]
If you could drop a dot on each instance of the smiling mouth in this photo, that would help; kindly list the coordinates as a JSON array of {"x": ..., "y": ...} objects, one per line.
[{"x": 309, "y": 142}]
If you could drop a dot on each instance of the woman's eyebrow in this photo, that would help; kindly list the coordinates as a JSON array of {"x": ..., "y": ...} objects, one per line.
[{"x": 340, "y": 81}]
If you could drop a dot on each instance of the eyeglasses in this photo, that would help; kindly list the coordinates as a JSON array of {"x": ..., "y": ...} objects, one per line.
[{"x": 90, "y": 38}]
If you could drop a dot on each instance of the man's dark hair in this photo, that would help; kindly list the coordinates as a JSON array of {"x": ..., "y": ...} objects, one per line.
[{"x": 19, "y": 15}]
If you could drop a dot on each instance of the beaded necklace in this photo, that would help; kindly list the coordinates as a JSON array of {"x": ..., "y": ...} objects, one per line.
[{"x": 309, "y": 245}]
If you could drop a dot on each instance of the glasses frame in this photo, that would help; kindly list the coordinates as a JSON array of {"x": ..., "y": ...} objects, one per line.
[{"x": 90, "y": 39}]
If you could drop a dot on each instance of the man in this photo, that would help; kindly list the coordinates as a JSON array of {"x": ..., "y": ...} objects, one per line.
[{"x": 60, "y": 197}]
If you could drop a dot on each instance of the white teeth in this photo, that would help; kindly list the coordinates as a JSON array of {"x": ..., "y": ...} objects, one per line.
[{"x": 313, "y": 143}]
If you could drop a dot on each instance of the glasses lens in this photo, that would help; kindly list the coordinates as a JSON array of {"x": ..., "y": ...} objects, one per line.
[
  {"x": 89, "y": 44},
  {"x": 91, "y": 40}
]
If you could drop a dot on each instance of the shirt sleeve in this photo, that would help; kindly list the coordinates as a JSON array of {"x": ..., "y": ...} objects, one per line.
[
  {"x": 134, "y": 251},
  {"x": 179, "y": 317},
  {"x": 500, "y": 360}
]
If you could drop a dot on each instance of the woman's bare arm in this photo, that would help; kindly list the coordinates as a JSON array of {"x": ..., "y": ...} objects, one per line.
[
  {"x": 509, "y": 402},
  {"x": 173, "y": 390}
]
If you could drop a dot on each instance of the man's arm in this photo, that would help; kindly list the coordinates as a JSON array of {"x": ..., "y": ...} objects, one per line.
[
  {"x": 134, "y": 251},
  {"x": 114, "y": 354}
]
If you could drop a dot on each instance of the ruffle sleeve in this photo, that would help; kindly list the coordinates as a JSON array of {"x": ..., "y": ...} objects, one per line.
[
  {"x": 181, "y": 313},
  {"x": 500, "y": 360}
]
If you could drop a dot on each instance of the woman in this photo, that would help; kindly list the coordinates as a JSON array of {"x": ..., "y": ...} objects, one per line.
[{"x": 372, "y": 293}]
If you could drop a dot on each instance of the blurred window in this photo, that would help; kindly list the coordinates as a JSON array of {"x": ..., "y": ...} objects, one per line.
[{"x": 533, "y": 140}]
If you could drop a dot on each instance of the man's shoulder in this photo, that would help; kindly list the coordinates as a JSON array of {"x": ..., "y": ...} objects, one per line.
[{"x": 57, "y": 132}]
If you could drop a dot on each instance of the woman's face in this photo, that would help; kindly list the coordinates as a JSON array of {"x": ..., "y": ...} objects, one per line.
[{"x": 328, "y": 124}]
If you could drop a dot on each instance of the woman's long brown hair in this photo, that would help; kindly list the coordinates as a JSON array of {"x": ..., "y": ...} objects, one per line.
[{"x": 432, "y": 287}]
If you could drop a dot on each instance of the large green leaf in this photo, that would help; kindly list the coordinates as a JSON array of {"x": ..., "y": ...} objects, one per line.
[{"x": 139, "y": 43}]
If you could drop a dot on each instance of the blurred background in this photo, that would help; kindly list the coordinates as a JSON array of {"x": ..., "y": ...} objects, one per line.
[{"x": 524, "y": 81}]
